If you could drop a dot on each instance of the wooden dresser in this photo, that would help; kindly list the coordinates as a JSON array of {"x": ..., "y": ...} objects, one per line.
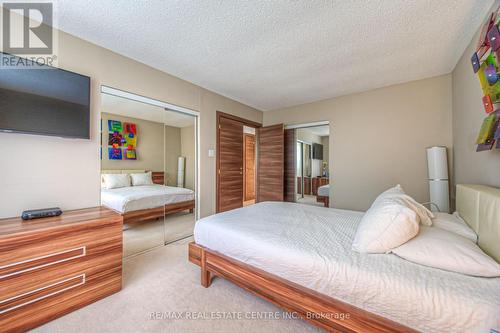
[
  {"x": 52, "y": 266},
  {"x": 318, "y": 182}
]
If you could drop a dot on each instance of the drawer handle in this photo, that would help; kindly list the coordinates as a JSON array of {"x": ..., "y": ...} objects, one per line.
[
  {"x": 40, "y": 262},
  {"x": 15, "y": 302}
]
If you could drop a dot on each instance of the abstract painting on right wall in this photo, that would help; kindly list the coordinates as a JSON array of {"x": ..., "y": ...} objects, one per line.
[{"x": 485, "y": 63}]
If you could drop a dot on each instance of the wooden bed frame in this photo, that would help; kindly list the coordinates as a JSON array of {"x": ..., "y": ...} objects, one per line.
[
  {"x": 323, "y": 311},
  {"x": 324, "y": 199},
  {"x": 144, "y": 215}
]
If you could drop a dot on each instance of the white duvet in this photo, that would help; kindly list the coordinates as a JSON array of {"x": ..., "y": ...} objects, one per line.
[
  {"x": 311, "y": 246},
  {"x": 132, "y": 198},
  {"x": 324, "y": 190}
]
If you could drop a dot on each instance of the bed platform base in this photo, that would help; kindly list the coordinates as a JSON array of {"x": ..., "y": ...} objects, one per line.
[
  {"x": 324, "y": 199},
  {"x": 143, "y": 215},
  {"x": 323, "y": 311}
]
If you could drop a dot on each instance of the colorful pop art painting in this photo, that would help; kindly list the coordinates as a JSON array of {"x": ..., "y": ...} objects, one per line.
[
  {"x": 115, "y": 126},
  {"x": 485, "y": 63},
  {"x": 130, "y": 154},
  {"x": 115, "y": 153},
  {"x": 122, "y": 135},
  {"x": 130, "y": 134},
  {"x": 115, "y": 138}
]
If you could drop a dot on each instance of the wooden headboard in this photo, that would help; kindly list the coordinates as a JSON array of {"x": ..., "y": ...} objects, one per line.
[
  {"x": 158, "y": 177},
  {"x": 479, "y": 206}
]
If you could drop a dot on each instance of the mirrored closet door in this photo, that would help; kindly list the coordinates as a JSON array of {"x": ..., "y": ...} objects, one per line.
[
  {"x": 311, "y": 164},
  {"x": 180, "y": 175},
  {"x": 148, "y": 169}
]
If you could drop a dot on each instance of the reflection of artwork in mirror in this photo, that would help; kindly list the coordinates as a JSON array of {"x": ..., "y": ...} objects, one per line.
[
  {"x": 114, "y": 126},
  {"x": 115, "y": 153},
  {"x": 130, "y": 153},
  {"x": 115, "y": 138},
  {"x": 130, "y": 134}
]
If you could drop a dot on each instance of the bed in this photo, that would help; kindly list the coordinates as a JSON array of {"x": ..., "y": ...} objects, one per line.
[
  {"x": 324, "y": 195},
  {"x": 146, "y": 202},
  {"x": 335, "y": 288}
]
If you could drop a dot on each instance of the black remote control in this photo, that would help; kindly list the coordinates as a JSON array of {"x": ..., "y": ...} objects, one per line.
[{"x": 39, "y": 213}]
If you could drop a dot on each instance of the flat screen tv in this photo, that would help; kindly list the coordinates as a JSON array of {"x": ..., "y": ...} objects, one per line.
[
  {"x": 317, "y": 151},
  {"x": 45, "y": 101}
]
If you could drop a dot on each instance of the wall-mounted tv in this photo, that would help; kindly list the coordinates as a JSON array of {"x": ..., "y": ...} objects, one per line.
[
  {"x": 317, "y": 151},
  {"x": 44, "y": 101}
]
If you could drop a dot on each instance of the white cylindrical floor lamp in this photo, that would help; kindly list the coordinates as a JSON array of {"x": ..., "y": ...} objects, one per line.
[
  {"x": 181, "y": 166},
  {"x": 439, "y": 188}
]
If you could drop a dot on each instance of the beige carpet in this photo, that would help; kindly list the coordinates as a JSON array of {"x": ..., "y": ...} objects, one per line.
[
  {"x": 150, "y": 234},
  {"x": 163, "y": 281},
  {"x": 309, "y": 200}
]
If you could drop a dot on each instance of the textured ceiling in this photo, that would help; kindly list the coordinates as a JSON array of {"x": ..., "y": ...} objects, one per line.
[
  {"x": 129, "y": 108},
  {"x": 272, "y": 54},
  {"x": 318, "y": 130}
]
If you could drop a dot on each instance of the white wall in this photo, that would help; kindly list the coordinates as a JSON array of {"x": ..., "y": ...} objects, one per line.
[
  {"x": 39, "y": 171},
  {"x": 378, "y": 138}
]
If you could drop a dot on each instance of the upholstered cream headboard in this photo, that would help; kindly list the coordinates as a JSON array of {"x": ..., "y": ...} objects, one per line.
[{"x": 479, "y": 206}]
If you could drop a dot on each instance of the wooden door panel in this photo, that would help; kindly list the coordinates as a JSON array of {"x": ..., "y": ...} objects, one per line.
[
  {"x": 249, "y": 167},
  {"x": 230, "y": 184},
  {"x": 290, "y": 164},
  {"x": 270, "y": 163}
]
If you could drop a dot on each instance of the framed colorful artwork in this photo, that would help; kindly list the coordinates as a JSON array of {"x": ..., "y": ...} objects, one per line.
[
  {"x": 115, "y": 138},
  {"x": 475, "y": 62},
  {"x": 483, "y": 44},
  {"x": 115, "y": 153},
  {"x": 115, "y": 126},
  {"x": 130, "y": 135},
  {"x": 130, "y": 128},
  {"x": 496, "y": 135},
  {"x": 488, "y": 104},
  {"x": 494, "y": 37},
  {"x": 487, "y": 129},
  {"x": 491, "y": 74},
  {"x": 130, "y": 154},
  {"x": 485, "y": 146}
]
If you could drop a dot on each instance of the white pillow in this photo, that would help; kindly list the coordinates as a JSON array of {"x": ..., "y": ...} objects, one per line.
[
  {"x": 442, "y": 249},
  {"x": 112, "y": 180},
  {"x": 144, "y": 178},
  {"x": 454, "y": 223},
  {"x": 386, "y": 225},
  {"x": 397, "y": 191}
]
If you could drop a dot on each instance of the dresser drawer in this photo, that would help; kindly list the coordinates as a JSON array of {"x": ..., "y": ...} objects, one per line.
[
  {"x": 86, "y": 253},
  {"x": 48, "y": 273},
  {"x": 42, "y": 292}
]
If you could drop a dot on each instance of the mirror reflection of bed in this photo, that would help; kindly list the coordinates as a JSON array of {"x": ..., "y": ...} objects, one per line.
[
  {"x": 312, "y": 178},
  {"x": 153, "y": 187}
]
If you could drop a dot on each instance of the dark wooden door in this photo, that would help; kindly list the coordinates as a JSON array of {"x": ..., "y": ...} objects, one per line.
[
  {"x": 230, "y": 165},
  {"x": 290, "y": 165},
  {"x": 270, "y": 165},
  {"x": 249, "y": 169}
]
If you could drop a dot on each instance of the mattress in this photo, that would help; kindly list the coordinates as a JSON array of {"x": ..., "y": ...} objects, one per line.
[
  {"x": 132, "y": 198},
  {"x": 324, "y": 190},
  {"x": 311, "y": 246}
]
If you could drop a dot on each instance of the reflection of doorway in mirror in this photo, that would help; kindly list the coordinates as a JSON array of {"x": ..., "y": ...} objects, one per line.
[
  {"x": 312, "y": 165},
  {"x": 249, "y": 152}
]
